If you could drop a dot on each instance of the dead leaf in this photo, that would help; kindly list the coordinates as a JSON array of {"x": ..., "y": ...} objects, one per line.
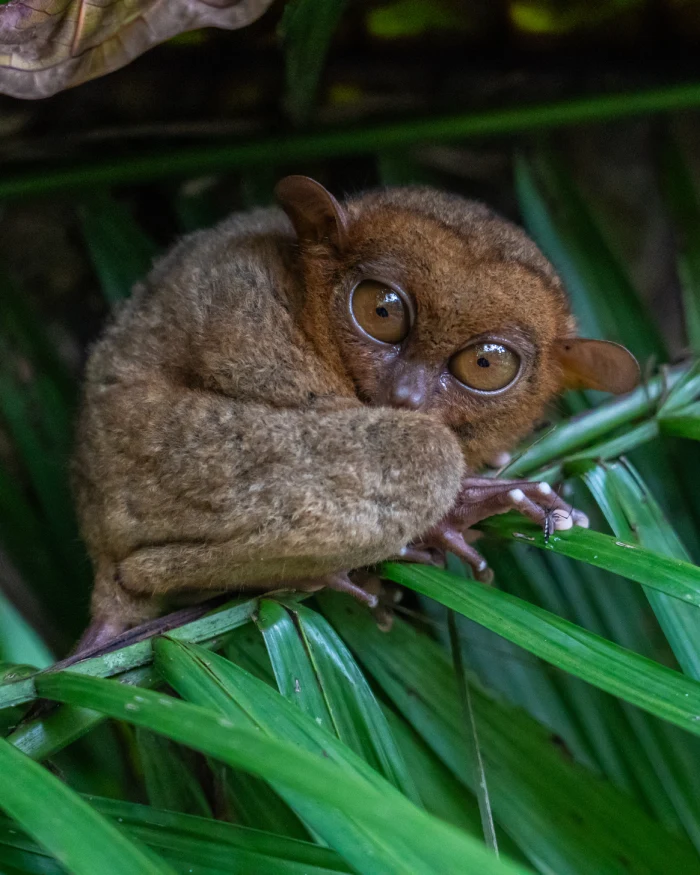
[{"x": 49, "y": 45}]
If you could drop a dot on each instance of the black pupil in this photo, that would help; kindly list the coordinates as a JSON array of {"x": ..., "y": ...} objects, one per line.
[
  {"x": 382, "y": 311},
  {"x": 483, "y": 362}
]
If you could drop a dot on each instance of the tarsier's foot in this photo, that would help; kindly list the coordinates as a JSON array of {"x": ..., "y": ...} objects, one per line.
[
  {"x": 340, "y": 582},
  {"x": 379, "y": 595},
  {"x": 482, "y": 497},
  {"x": 426, "y": 556},
  {"x": 387, "y": 594}
]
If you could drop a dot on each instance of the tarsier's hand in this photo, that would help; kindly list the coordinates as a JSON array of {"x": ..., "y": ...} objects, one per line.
[{"x": 482, "y": 497}]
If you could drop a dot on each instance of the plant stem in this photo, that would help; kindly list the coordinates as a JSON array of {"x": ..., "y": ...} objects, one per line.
[{"x": 327, "y": 144}]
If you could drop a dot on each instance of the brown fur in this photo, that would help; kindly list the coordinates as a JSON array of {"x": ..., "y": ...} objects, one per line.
[{"x": 233, "y": 432}]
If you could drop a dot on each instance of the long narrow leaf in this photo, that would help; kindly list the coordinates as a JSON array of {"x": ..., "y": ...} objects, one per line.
[
  {"x": 671, "y": 576},
  {"x": 566, "y": 819},
  {"x": 415, "y": 847},
  {"x": 320, "y": 779},
  {"x": 76, "y": 835},
  {"x": 197, "y": 841},
  {"x": 353, "y": 712},
  {"x": 633, "y": 678}
]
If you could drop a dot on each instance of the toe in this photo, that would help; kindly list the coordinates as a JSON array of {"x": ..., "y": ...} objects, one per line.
[
  {"x": 562, "y": 521},
  {"x": 580, "y": 519}
]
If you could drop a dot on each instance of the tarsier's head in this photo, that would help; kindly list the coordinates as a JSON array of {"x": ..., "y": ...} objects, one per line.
[{"x": 433, "y": 303}]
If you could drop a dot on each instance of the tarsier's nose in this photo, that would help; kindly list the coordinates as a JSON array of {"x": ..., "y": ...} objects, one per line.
[
  {"x": 409, "y": 389},
  {"x": 405, "y": 396}
]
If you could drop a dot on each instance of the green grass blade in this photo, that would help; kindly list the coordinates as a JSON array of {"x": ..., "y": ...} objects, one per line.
[
  {"x": 566, "y": 819},
  {"x": 310, "y": 649},
  {"x": 685, "y": 424},
  {"x": 24, "y": 857},
  {"x": 23, "y": 538},
  {"x": 684, "y": 205},
  {"x": 523, "y": 679},
  {"x": 526, "y": 574},
  {"x": 472, "y": 738},
  {"x": 121, "y": 252},
  {"x": 194, "y": 161},
  {"x": 294, "y": 672},
  {"x": 45, "y": 736},
  {"x": 603, "y": 297},
  {"x": 411, "y": 844},
  {"x": 36, "y": 411},
  {"x": 633, "y": 678},
  {"x": 18, "y": 641},
  {"x": 582, "y": 430},
  {"x": 170, "y": 782},
  {"x": 211, "y": 630},
  {"x": 255, "y": 802},
  {"x": 632, "y": 511},
  {"x": 441, "y": 793},
  {"x": 79, "y": 837},
  {"x": 195, "y": 841},
  {"x": 630, "y": 745},
  {"x": 676, "y": 578},
  {"x": 307, "y": 28}
]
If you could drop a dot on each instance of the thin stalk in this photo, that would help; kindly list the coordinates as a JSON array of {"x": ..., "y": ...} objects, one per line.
[
  {"x": 335, "y": 143},
  {"x": 481, "y": 787},
  {"x": 587, "y": 427}
]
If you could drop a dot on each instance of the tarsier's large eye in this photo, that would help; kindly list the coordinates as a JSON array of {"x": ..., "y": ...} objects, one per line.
[
  {"x": 380, "y": 311},
  {"x": 486, "y": 366}
]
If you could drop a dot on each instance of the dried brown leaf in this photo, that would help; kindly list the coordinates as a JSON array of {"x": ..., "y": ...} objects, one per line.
[{"x": 49, "y": 45}]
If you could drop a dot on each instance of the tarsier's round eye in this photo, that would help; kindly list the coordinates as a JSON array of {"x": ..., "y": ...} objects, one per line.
[
  {"x": 486, "y": 366},
  {"x": 380, "y": 311}
]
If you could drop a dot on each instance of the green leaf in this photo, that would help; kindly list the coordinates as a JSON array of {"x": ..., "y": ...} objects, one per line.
[
  {"x": 632, "y": 511},
  {"x": 684, "y": 205},
  {"x": 314, "y": 669},
  {"x": 18, "y": 641},
  {"x": 565, "y": 819},
  {"x": 307, "y": 28},
  {"x": 602, "y": 295},
  {"x": 634, "y": 678},
  {"x": 404, "y": 838},
  {"x": 580, "y": 431},
  {"x": 633, "y": 748},
  {"x": 441, "y": 793},
  {"x": 411, "y": 18},
  {"x": 36, "y": 401},
  {"x": 170, "y": 782},
  {"x": 195, "y": 841},
  {"x": 471, "y": 737},
  {"x": 120, "y": 250},
  {"x": 198, "y": 160},
  {"x": 210, "y": 629},
  {"x": 670, "y": 576},
  {"x": 79, "y": 837},
  {"x": 255, "y": 803}
]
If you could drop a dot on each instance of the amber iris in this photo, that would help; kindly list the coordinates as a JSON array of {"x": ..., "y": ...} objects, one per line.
[
  {"x": 380, "y": 312},
  {"x": 486, "y": 366}
]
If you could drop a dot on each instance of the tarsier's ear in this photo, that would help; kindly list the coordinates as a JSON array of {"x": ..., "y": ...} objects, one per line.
[
  {"x": 315, "y": 213},
  {"x": 596, "y": 364}
]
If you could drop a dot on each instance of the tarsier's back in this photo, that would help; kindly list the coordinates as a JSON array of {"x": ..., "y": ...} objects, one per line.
[{"x": 290, "y": 398}]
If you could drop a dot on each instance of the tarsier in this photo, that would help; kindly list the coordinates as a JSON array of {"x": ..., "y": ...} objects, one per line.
[{"x": 306, "y": 391}]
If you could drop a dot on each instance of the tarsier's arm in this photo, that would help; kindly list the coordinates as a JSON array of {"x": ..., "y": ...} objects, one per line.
[{"x": 214, "y": 494}]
